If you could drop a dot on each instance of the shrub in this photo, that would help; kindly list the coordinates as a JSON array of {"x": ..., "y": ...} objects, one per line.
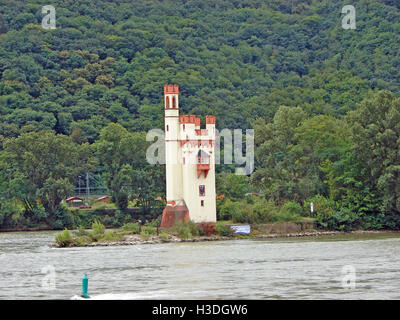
[
  {"x": 164, "y": 236},
  {"x": 322, "y": 206},
  {"x": 131, "y": 227},
  {"x": 240, "y": 217},
  {"x": 194, "y": 230},
  {"x": 223, "y": 229},
  {"x": 186, "y": 230},
  {"x": 112, "y": 236},
  {"x": 291, "y": 208},
  {"x": 263, "y": 211},
  {"x": 97, "y": 230},
  {"x": 229, "y": 209},
  {"x": 145, "y": 236},
  {"x": 82, "y": 232},
  {"x": 121, "y": 218},
  {"x": 290, "y": 211},
  {"x": 343, "y": 220},
  {"x": 155, "y": 222},
  {"x": 98, "y": 227},
  {"x": 64, "y": 238},
  {"x": 62, "y": 217},
  {"x": 121, "y": 200},
  {"x": 108, "y": 221},
  {"x": 149, "y": 229},
  {"x": 82, "y": 240}
]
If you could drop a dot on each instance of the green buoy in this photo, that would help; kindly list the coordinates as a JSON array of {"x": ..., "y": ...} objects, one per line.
[{"x": 85, "y": 284}]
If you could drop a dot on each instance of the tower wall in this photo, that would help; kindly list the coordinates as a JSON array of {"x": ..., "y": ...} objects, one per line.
[{"x": 172, "y": 147}]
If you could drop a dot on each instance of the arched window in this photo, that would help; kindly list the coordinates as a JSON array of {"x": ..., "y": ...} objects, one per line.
[
  {"x": 167, "y": 128},
  {"x": 173, "y": 102},
  {"x": 167, "y": 102}
]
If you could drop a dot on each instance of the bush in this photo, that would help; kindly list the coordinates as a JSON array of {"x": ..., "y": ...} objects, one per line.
[
  {"x": 229, "y": 209},
  {"x": 145, "y": 236},
  {"x": 62, "y": 217},
  {"x": 223, "y": 229},
  {"x": 121, "y": 218},
  {"x": 82, "y": 240},
  {"x": 97, "y": 230},
  {"x": 322, "y": 206},
  {"x": 291, "y": 211},
  {"x": 343, "y": 220},
  {"x": 121, "y": 200},
  {"x": 291, "y": 208},
  {"x": 64, "y": 238},
  {"x": 82, "y": 232},
  {"x": 186, "y": 230},
  {"x": 112, "y": 236},
  {"x": 155, "y": 222},
  {"x": 263, "y": 211},
  {"x": 98, "y": 227},
  {"x": 131, "y": 227},
  {"x": 240, "y": 217},
  {"x": 149, "y": 230},
  {"x": 8, "y": 212},
  {"x": 108, "y": 221},
  {"x": 164, "y": 236}
]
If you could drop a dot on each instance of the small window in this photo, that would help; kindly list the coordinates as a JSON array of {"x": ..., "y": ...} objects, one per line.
[
  {"x": 167, "y": 102},
  {"x": 202, "y": 203},
  {"x": 167, "y": 128},
  {"x": 202, "y": 190},
  {"x": 183, "y": 127},
  {"x": 183, "y": 160},
  {"x": 173, "y": 102}
]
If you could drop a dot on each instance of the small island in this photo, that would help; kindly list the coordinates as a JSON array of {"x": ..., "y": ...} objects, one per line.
[{"x": 134, "y": 233}]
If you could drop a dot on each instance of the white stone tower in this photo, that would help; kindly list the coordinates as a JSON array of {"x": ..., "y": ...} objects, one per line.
[{"x": 190, "y": 166}]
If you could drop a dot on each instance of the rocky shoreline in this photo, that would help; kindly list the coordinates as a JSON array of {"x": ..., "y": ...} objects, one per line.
[{"x": 136, "y": 239}]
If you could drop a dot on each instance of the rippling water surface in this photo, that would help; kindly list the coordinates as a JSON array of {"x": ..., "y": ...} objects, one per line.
[{"x": 238, "y": 269}]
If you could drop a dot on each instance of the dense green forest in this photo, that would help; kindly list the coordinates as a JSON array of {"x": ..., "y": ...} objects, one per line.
[{"x": 323, "y": 100}]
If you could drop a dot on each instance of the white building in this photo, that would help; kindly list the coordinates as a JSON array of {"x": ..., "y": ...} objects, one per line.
[{"x": 190, "y": 166}]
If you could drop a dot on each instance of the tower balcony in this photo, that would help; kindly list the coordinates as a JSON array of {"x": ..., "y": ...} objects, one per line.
[{"x": 203, "y": 167}]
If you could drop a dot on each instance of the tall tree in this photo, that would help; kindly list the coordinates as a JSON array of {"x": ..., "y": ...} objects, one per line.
[{"x": 375, "y": 129}]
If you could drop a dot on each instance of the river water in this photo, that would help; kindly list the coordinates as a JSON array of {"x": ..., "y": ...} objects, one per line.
[{"x": 345, "y": 267}]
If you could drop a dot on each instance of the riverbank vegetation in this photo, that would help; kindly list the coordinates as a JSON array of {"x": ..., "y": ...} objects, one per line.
[
  {"x": 323, "y": 101},
  {"x": 129, "y": 231}
]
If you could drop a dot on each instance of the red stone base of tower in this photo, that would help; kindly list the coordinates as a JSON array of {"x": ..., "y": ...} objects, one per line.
[{"x": 173, "y": 214}]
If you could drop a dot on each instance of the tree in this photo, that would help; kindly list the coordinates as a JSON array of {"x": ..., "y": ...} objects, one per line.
[
  {"x": 120, "y": 151},
  {"x": 375, "y": 129},
  {"x": 44, "y": 165},
  {"x": 278, "y": 173},
  {"x": 233, "y": 186}
]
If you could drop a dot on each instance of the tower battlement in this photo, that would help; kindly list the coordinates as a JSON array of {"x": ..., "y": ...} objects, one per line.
[{"x": 171, "y": 89}]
